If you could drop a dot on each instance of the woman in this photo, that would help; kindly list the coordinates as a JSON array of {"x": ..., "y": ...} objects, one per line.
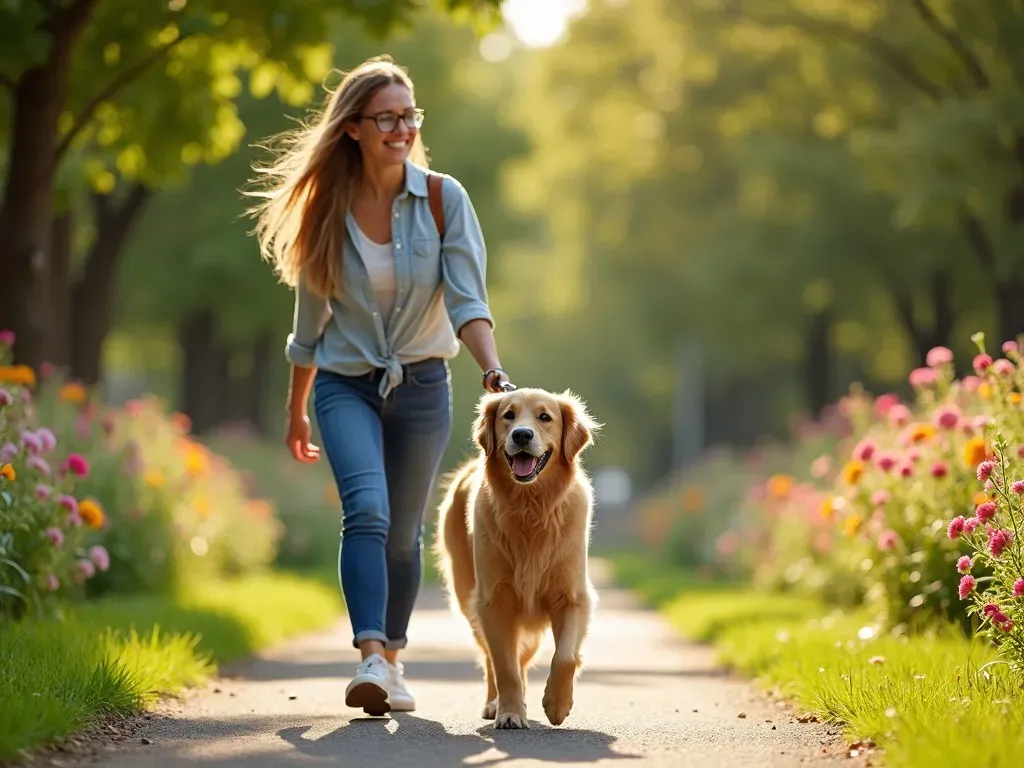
[{"x": 381, "y": 302}]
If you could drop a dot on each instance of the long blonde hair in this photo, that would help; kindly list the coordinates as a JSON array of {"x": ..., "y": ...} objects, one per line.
[{"x": 301, "y": 221}]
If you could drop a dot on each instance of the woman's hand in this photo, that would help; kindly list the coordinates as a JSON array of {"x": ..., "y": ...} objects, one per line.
[
  {"x": 297, "y": 439},
  {"x": 495, "y": 380}
]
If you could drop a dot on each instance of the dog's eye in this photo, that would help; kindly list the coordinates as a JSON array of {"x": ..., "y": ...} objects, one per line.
[
  {"x": 545, "y": 417},
  {"x": 509, "y": 415}
]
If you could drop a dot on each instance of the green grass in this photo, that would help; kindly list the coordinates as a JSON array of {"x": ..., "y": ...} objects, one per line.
[
  {"x": 116, "y": 656},
  {"x": 935, "y": 700}
]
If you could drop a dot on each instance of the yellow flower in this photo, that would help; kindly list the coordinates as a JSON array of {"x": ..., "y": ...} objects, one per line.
[
  {"x": 202, "y": 507},
  {"x": 73, "y": 392},
  {"x": 779, "y": 486},
  {"x": 922, "y": 432},
  {"x": 984, "y": 390},
  {"x": 975, "y": 452},
  {"x": 693, "y": 499},
  {"x": 852, "y": 524},
  {"x": 827, "y": 510},
  {"x": 197, "y": 462},
  {"x": 154, "y": 478},
  {"x": 18, "y": 374},
  {"x": 852, "y": 471},
  {"x": 1014, "y": 398},
  {"x": 7, "y": 472},
  {"x": 91, "y": 513}
]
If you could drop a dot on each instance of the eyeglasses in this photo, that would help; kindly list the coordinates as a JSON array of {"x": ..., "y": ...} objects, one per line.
[{"x": 388, "y": 121}]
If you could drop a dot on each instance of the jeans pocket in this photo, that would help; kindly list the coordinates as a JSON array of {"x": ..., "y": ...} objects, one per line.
[{"x": 429, "y": 375}]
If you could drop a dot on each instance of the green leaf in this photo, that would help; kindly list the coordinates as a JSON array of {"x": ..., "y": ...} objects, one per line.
[{"x": 16, "y": 567}]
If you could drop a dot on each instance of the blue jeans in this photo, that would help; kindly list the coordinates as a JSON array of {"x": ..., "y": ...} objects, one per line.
[{"x": 385, "y": 456}]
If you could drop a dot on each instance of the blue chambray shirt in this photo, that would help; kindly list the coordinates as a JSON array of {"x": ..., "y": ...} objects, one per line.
[{"x": 346, "y": 334}]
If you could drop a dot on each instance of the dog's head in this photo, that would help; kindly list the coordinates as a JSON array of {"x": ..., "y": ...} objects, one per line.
[{"x": 528, "y": 430}]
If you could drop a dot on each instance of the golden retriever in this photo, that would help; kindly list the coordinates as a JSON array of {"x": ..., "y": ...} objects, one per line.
[{"x": 512, "y": 541}]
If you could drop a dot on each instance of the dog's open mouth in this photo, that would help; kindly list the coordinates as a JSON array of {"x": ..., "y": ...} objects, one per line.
[{"x": 525, "y": 467}]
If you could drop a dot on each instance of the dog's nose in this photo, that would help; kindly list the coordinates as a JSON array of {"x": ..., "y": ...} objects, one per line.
[{"x": 522, "y": 435}]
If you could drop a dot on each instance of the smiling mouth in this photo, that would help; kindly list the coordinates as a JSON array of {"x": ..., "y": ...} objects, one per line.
[{"x": 525, "y": 466}]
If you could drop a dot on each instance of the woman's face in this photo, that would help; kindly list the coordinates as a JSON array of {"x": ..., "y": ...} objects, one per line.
[{"x": 383, "y": 132}]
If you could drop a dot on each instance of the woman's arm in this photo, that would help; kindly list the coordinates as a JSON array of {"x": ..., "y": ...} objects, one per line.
[{"x": 478, "y": 336}]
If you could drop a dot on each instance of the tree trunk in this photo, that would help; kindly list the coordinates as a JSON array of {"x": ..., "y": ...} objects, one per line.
[
  {"x": 93, "y": 294},
  {"x": 58, "y": 350},
  {"x": 941, "y": 331},
  {"x": 26, "y": 212},
  {"x": 818, "y": 363},
  {"x": 205, "y": 371},
  {"x": 1009, "y": 311},
  {"x": 257, "y": 382}
]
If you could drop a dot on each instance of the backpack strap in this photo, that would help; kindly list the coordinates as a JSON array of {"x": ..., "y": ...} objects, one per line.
[{"x": 436, "y": 203}]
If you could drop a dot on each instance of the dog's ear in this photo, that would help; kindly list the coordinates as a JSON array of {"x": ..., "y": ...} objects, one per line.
[
  {"x": 578, "y": 428},
  {"x": 483, "y": 427}
]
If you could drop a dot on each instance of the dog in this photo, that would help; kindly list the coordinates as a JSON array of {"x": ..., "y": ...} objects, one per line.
[{"x": 512, "y": 540}]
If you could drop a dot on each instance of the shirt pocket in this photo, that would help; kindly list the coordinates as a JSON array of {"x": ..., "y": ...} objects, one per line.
[{"x": 426, "y": 260}]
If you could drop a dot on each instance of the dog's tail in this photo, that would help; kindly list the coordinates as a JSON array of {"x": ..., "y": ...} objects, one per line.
[{"x": 452, "y": 549}]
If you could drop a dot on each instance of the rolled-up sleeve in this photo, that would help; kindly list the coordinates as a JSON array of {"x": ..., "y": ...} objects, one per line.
[
  {"x": 463, "y": 259},
  {"x": 310, "y": 316}
]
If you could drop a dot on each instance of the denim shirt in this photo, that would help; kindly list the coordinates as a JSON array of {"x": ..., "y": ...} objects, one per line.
[{"x": 346, "y": 334}]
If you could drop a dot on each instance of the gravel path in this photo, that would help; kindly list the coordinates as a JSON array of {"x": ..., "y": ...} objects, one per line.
[{"x": 645, "y": 699}]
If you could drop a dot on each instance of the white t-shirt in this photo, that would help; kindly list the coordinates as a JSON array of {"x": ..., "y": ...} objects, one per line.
[{"x": 380, "y": 264}]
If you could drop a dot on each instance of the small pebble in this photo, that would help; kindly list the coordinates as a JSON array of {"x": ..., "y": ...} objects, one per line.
[{"x": 144, "y": 740}]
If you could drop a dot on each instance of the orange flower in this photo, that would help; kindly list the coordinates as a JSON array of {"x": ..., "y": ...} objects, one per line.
[
  {"x": 975, "y": 452},
  {"x": 18, "y": 374},
  {"x": 826, "y": 509},
  {"x": 7, "y": 472},
  {"x": 656, "y": 523},
  {"x": 693, "y": 499},
  {"x": 922, "y": 432},
  {"x": 202, "y": 507},
  {"x": 91, "y": 513},
  {"x": 181, "y": 422},
  {"x": 154, "y": 478},
  {"x": 852, "y": 524},
  {"x": 852, "y": 471},
  {"x": 1014, "y": 398},
  {"x": 779, "y": 486},
  {"x": 73, "y": 392},
  {"x": 260, "y": 509}
]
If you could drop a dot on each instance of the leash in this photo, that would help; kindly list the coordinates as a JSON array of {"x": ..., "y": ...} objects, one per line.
[{"x": 507, "y": 386}]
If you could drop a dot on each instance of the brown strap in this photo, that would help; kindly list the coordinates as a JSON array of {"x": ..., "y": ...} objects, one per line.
[{"x": 436, "y": 204}]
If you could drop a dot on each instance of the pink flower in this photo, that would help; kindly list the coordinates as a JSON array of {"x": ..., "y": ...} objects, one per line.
[
  {"x": 899, "y": 415},
  {"x": 905, "y": 468},
  {"x": 7, "y": 452},
  {"x": 970, "y": 524},
  {"x": 1007, "y": 625},
  {"x": 46, "y": 369},
  {"x": 922, "y": 377},
  {"x": 864, "y": 450},
  {"x": 982, "y": 421},
  {"x": 100, "y": 557},
  {"x": 963, "y": 564},
  {"x": 1009, "y": 347},
  {"x": 885, "y": 461},
  {"x": 1020, "y": 452},
  {"x": 6, "y": 398},
  {"x": 77, "y": 464},
  {"x": 888, "y": 540},
  {"x": 985, "y": 469},
  {"x": 939, "y": 356},
  {"x": 883, "y": 403},
  {"x": 38, "y": 463},
  {"x": 43, "y": 492},
  {"x": 1018, "y": 588},
  {"x": 947, "y": 417},
  {"x": 939, "y": 469},
  {"x": 70, "y": 503},
  {"x": 1003, "y": 367},
  {"x": 970, "y": 383},
  {"x": 84, "y": 569},
  {"x": 83, "y": 427},
  {"x": 966, "y": 586},
  {"x": 982, "y": 363},
  {"x": 47, "y": 438},
  {"x": 820, "y": 466},
  {"x": 990, "y": 609},
  {"x": 880, "y": 497},
  {"x": 55, "y": 535},
  {"x": 52, "y": 583},
  {"x": 986, "y": 510},
  {"x": 913, "y": 455},
  {"x": 7, "y": 338},
  {"x": 955, "y": 527},
  {"x": 998, "y": 540},
  {"x": 30, "y": 442},
  {"x": 1018, "y": 487}
]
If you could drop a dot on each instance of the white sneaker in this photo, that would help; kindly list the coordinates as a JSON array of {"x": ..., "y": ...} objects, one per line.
[
  {"x": 399, "y": 697},
  {"x": 369, "y": 688}
]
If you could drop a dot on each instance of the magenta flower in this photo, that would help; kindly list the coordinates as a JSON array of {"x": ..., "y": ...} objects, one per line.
[
  {"x": 7, "y": 338},
  {"x": 1018, "y": 588},
  {"x": 888, "y": 540},
  {"x": 1017, "y": 486},
  {"x": 864, "y": 450},
  {"x": 986, "y": 510},
  {"x": 998, "y": 540},
  {"x": 966, "y": 586},
  {"x": 905, "y": 468},
  {"x": 964, "y": 564},
  {"x": 985, "y": 470},
  {"x": 52, "y": 583},
  {"x": 885, "y": 461},
  {"x": 47, "y": 438},
  {"x": 76, "y": 463},
  {"x": 43, "y": 492},
  {"x": 955, "y": 527},
  {"x": 30, "y": 442},
  {"x": 880, "y": 497},
  {"x": 38, "y": 463},
  {"x": 938, "y": 356},
  {"x": 982, "y": 363},
  {"x": 922, "y": 377},
  {"x": 70, "y": 503},
  {"x": 7, "y": 452},
  {"x": 6, "y": 398},
  {"x": 899, "y": 415},
  {"x": 55, "y": 535},
  {"x": 84, "y": 569},
  {"x": 939, "y": 469},
  {"x": 971, "y": 524},
  {"x": 100, "y": 557},
  {"x": 947, "y": 417},
  {"x": 1003, "y": 367}
]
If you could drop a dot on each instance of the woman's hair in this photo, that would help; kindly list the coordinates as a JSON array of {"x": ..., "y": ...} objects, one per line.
[{"x": 301, "y": 220}]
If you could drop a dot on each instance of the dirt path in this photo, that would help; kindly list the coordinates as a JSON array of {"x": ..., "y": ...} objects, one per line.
[{"x": 646, "y": 699}]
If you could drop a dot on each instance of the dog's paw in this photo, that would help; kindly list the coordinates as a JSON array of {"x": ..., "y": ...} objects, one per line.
[
  {"x": 557, "y": 701},
  {"x": 490, "y": 710},
  {"x": 511, "y": 721}
]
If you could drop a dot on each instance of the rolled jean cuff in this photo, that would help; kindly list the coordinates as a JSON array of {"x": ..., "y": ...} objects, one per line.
[
  {"x": 369, "y": 634},
  {"x": 396, "y": 645}
]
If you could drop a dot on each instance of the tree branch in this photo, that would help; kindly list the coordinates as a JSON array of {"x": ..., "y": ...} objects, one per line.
[
  {"x": 955, "y": 41},
  {"x": 978, "y": 238},
  {"x": 110, "y": 90},
  {"x": 8, "y": 83}
]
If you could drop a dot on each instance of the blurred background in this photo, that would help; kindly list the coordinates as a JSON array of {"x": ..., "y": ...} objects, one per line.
[{"x": 709, "y": 218}]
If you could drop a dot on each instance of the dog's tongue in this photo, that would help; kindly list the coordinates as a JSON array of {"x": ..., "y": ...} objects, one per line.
[{"x": 523, "y": 464}]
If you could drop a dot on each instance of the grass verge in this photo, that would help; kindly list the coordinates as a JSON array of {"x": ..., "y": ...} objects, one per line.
[
  {"x": 116, "y": 656},
  {"x": 931, "y": 700}
]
